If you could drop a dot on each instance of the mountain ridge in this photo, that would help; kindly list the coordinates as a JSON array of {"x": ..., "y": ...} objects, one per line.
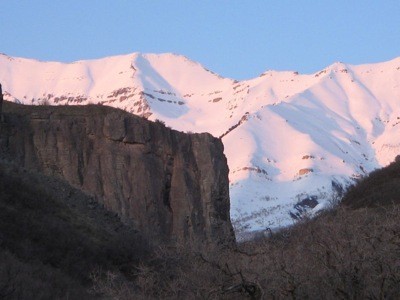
[{"x": 288, "y": 137}]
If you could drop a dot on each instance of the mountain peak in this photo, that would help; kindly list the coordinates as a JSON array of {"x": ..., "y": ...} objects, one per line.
[{"x": 287, "y": 136}]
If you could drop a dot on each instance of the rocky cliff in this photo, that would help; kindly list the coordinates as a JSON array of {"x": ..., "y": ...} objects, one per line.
[{"x": 173, "y": 186}]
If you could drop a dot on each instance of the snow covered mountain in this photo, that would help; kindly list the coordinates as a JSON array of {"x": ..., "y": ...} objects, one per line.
[{"x": 291, "y": 140}]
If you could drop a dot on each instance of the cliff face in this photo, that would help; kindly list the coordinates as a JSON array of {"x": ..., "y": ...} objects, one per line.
[{"x": 172, "y": 186}]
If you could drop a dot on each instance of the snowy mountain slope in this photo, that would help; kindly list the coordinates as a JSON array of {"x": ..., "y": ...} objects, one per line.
[{"x": 290, "y": 139}]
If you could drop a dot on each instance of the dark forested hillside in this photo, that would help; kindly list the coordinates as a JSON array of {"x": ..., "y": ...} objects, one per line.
[
  {"x": 53, "y": 236},
  {"x": 380, "y": 188}
]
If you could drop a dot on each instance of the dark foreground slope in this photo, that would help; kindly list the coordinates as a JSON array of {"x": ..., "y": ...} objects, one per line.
[
  {"x": 172, "y": 186},
  {"x": 53, "y": 236},
  {"x": 381, "y": 188}
]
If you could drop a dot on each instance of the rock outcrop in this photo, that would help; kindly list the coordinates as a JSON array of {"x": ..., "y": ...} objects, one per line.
[{"x": 173, "y": 186}]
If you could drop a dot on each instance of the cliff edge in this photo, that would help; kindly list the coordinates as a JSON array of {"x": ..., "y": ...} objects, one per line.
[{"x": 172, "y": 186}]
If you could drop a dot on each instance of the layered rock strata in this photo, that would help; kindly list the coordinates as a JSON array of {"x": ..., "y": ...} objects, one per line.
[{"x": 173, "y": 186}]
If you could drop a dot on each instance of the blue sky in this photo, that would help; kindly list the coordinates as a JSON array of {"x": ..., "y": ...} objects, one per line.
[{"x": 237, "y": 39}]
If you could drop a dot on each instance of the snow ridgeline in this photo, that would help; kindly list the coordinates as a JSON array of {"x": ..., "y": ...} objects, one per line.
[{"x": 291, "y": 140}]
